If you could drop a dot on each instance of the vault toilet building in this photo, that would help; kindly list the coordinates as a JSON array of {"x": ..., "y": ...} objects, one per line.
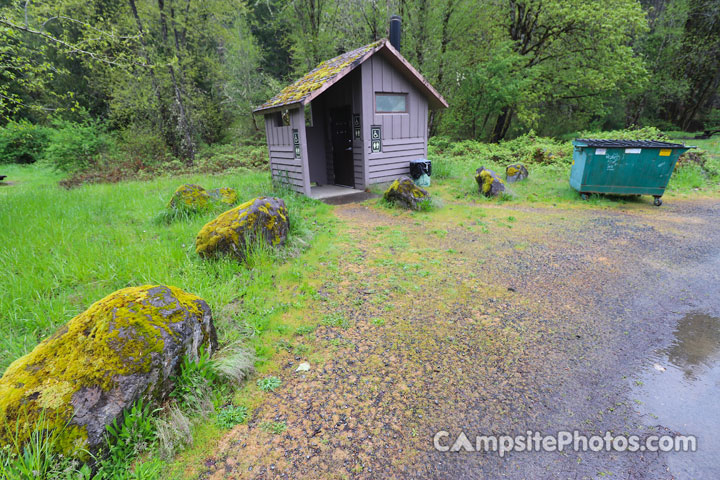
[{"x": 355, "y": 120}]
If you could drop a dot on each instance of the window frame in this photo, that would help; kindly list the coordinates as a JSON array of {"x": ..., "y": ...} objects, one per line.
[{"x": 382, "y": 112}]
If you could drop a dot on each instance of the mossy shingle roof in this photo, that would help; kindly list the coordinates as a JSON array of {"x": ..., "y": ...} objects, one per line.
[{"x": 319, "y": 76}]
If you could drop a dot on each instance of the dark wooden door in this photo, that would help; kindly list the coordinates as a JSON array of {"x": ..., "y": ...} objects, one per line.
[{"x": 341, "y": 133}]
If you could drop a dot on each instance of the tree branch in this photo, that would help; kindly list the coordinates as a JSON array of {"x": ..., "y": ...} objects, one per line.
[{"x": 73, "y": 48}]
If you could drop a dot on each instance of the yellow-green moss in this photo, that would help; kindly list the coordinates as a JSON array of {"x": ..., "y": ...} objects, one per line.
[
  {"x": 115, "y": 336},
  {"x": 511, "y": 171},
  {"x": 228, "y": 195},
  {"x": 233, "y": 225},
  {"x": 190, "y": 197},
  {"x": 317, "y": 77}
]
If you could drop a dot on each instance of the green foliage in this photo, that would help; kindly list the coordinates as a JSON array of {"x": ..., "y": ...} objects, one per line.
[
  {"x": 645, "y": 133},
  {"x": 231, "y": 415},
  {"x": 125, "y": 441},
  {"x": 193, "y": 383},
  {"x": 75, "y": 146},
  {"x": 174, "y": 432},
  {"x": 335, "y": 319},
  {"x": 38, "y": 458},
  {"x": 276, "y": 428},
  {"x": 269, "y": 384},
  {"x": 22, "y": 142},
  {"x": 305, "y": 329}
]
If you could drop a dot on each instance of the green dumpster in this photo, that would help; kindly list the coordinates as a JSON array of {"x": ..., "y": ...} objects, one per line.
[{"x": 623, "y": 167}]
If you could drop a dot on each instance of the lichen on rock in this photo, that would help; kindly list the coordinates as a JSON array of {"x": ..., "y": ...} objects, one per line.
[
  {"x": 124, "y": 347},
  {"x": 263, "y": 218},
  {"x": 403, "y": 191},
  {"x": 515, "y": 172},
  {"x": 224, "y": 195},
  {"x": 489, "y": 183},
  {"x": 190, "y": 197}
]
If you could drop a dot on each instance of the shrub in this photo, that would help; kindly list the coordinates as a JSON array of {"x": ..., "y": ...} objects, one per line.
[
  {"x": 75, "y": 146},
  {"x": 645, "y": 133},
  {"x": 22, "y": 142}
]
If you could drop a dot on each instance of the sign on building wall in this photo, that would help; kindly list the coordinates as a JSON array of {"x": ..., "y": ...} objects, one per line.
[
  {"x": 356, "y": 125},
  {"x": 375, "y": 139},
  {"x": 296, "y": 142}
]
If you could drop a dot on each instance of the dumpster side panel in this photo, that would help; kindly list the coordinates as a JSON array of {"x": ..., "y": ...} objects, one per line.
[{"x": 578, "y": 168}]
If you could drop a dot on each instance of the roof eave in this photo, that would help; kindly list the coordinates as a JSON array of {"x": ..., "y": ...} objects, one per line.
[
  {"x": 278, "y": 108},
  {"x": 315, "y": 93}
]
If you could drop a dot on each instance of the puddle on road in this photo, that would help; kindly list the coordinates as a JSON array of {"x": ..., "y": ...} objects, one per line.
[{"x": 684, "y": 397}]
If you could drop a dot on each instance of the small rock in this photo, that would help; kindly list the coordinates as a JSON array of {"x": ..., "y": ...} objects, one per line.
[
  {"x": 224, "y": 195},
  {"x": 515, "y": 173},
  {"x": 490, "y": 184},
  {"x": 303, "y": 367},
  {"x": 190, "y": 197},
  {"x": 403, "y": 191}
]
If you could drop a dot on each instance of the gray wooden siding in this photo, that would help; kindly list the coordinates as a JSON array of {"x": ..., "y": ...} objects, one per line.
[
  {"x": 283, "y": 164},
  {"x": 404, "y": 135}
]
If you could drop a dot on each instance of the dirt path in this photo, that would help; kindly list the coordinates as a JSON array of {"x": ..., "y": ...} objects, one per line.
[{"x": 487, "y": 320}]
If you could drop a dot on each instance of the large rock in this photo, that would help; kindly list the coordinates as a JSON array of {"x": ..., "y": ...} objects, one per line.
[
  {"x": 124, "y": 347},
  {"x": 195, "y": 198},
  {"x": 262, "y": 218},
  {"x": 190, "y": 197},
  {"x": 490, "y": 184},
  {"x": 403, "y": 191},
  {"x": 515, "y": 172}
]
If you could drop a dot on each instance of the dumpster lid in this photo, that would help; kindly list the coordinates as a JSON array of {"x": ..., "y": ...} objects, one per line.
[{"x": 591, "y": 142}]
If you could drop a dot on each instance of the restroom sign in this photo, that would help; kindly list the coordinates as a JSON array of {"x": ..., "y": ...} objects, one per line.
[
  {"x": 296, "y": 142},
  {"x": 375, "y": 139},
  {"x": 356, "y": 125}
]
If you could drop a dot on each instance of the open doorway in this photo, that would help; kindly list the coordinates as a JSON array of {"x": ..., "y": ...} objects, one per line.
[{"x": 342, "y": 146}]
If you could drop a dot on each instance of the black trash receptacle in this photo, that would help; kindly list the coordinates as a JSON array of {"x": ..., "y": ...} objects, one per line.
[{"x": 418, "y": 167}]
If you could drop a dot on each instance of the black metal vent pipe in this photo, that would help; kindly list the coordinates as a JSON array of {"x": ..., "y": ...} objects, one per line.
[{"x": 395, "y": 27}]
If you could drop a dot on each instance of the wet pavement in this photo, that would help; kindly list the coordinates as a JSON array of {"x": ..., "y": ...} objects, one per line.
[
  {"x": 498, "y": 320},
  {"x": 680, "y": 389}
]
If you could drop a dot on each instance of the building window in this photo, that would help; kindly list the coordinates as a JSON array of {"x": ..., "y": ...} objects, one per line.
[{"x": 391, "y": 102}]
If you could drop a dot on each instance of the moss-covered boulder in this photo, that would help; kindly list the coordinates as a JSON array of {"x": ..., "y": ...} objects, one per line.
[
  {"x": 263, "y": 218},
  {"x": 190, "y": 197},
  {"x": 515, "y": 173},
  {"x": 404, "y": 192},
  {"x": 124, "y": 347},
  {"x": 225, "y": 195},
  {"x": 490, "y": 184}
]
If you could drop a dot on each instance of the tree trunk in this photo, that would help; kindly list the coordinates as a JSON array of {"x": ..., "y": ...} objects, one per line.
[
  {"x": 502, "y": 125},
  {"x": 163, "y": 117},
  {"x": 444, "y": 40},
  {"x": 187, "y": 147}
]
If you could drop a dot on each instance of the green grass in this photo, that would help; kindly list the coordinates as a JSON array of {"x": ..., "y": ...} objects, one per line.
[{"x": 62, "y": 250}]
